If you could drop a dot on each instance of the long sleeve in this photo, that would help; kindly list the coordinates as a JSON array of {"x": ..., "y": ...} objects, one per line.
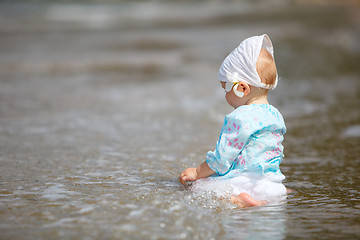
[{"x": 233, "y": 137}]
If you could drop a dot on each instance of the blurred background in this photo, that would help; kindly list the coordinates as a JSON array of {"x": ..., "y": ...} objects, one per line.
[{"x": 104, "y": 103}]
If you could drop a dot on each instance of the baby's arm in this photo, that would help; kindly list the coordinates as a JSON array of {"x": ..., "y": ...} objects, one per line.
[{"x": 193, "y": 174}]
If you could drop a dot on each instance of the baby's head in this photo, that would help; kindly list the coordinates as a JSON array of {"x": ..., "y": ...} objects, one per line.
[
  {"x": 266, "y": 68},
  {"x": 250, "y": 69}
]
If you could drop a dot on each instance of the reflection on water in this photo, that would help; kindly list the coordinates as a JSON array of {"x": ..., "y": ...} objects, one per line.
[{"x": 102, "y": 105}]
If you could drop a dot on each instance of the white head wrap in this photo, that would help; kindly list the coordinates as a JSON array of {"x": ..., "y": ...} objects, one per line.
[{"x": 240, "y": 64}]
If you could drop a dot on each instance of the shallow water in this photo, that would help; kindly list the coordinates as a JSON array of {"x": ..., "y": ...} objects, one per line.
[{"x": 103, "y": 105}]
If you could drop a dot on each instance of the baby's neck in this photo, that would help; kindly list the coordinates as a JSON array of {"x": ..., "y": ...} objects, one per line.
[
  {"x": 257, "y": 96},
  {"x": 258, "y": 100}
]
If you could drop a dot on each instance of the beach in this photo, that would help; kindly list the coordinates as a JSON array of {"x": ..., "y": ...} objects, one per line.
[{"x": 103, "y": 104}]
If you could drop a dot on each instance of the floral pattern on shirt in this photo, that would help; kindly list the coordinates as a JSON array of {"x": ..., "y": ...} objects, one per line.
[{"x": 250, "y": 140}]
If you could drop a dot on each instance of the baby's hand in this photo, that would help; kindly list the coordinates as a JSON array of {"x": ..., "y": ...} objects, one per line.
[{"x": 189, "y": 174}]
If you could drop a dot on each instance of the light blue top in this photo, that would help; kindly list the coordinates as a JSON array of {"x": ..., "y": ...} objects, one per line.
[{"x": 250, "y": 141}]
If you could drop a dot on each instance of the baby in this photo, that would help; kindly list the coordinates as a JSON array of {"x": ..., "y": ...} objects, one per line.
[{"x": 245, "y": 163}]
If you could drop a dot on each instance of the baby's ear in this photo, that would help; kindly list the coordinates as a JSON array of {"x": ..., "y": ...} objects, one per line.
[{"x": 243, "y": 87}]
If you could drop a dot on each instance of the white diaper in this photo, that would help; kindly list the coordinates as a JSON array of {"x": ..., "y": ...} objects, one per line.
[{"x": 268, "y": 187}]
